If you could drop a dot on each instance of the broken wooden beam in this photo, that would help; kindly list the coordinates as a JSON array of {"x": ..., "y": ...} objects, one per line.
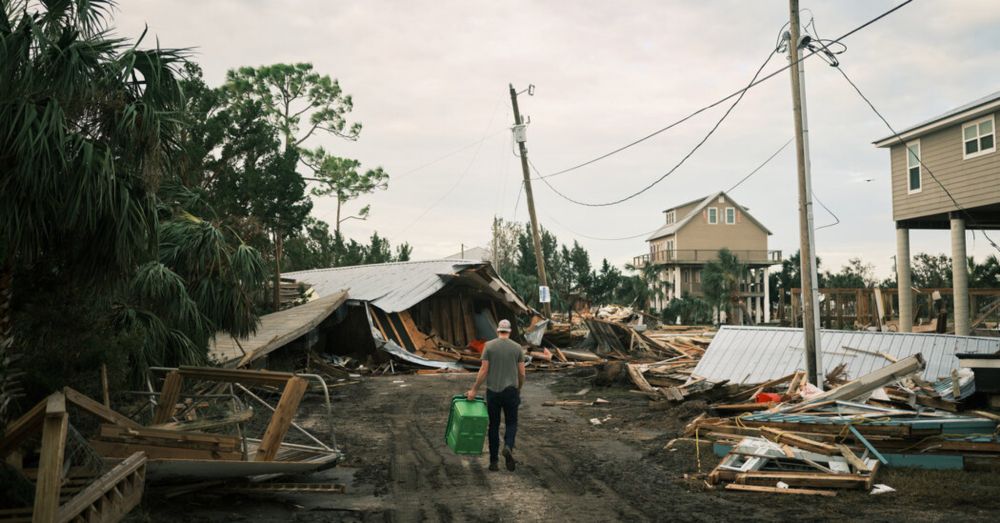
[
  {"x": 50, "y": 464},
  {"x": 776, "y": 490},
  {"x": 281, "y": 420}
]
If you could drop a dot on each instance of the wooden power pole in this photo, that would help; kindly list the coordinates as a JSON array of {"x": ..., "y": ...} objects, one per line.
[
  {"x": 519, "y": 137},
  {"x": 807, "y": 242}
]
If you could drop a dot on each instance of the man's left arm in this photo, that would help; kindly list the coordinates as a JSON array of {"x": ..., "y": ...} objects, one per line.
[{"x": 520, "y": 375}]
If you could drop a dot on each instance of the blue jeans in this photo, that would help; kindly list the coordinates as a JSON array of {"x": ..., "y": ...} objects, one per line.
[{"x": 507, "y": 401}]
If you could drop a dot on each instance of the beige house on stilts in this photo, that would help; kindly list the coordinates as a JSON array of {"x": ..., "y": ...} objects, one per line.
[
  {"x": 945, "y": 174},
  {"x": 692, "y": 236}
]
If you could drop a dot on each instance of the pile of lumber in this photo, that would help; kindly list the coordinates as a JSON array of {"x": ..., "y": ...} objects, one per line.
[
  {"x": 782, "y": 462},
  {"x": 788, "y": 431}
]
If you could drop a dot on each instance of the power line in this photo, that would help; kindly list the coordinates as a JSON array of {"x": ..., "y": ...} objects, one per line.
[
  {"x": 571, "y": 231},
  {"x": 923, "y": 166},
  {"x": 453, "y": 153},
  {"x": 761, "y": 166},
  {"x": 836, "y": 219},
  {"x": 828, "y": 43},
  {"x": 675, "y": 167},
  {"x": 460, "y": 178}
]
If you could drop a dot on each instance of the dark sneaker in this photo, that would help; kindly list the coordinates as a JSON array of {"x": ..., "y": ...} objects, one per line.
[
  {"x": 494, "y": 466},
  {"x": 508, "y": 457}
]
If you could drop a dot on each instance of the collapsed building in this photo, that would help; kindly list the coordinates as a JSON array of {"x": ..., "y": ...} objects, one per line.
[{"x": 425, "y": 313}]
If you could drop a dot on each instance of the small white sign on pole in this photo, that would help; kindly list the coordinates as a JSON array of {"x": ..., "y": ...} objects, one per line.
[{"x": 543, "y": 294}]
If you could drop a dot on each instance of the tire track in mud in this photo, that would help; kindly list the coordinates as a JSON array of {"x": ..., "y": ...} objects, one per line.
[{"x": 429, "y": 483}]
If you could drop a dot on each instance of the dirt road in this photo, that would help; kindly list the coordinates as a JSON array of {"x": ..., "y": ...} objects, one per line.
[{"x": 399, "y": 469}]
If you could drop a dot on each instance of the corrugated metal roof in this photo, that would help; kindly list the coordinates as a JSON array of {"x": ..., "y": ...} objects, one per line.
[
  {"x": 393, "y": 287},
  {"x": 759, "y": 354}
]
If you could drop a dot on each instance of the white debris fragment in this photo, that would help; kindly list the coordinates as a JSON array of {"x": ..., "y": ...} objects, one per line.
[
  {"x": 782, "y": 484},
  {"x": 881, "y": 488},
  {"x": 595, "y": 422}
]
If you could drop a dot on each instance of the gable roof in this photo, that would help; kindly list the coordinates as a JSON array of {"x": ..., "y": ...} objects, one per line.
[
  {"x": 685, "y": 204},
  {"x": 986, "y": 104},
  {"x": 672, "y": 228}
]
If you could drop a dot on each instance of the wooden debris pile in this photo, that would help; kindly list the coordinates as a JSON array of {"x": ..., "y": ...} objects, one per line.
[{"x": 789, "y": 437}]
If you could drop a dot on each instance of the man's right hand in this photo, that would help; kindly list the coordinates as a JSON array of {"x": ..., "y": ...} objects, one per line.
[{"x": 470, "y": 394}]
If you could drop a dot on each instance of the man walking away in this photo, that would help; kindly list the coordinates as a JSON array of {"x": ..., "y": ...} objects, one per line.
[{"x": 503, "y": 371}]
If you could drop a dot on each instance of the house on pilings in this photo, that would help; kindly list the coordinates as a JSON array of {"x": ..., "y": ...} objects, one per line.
[{"x": 945, "y": 175}]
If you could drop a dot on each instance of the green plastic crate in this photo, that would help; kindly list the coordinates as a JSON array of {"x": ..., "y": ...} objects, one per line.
[{"x": 467, "y": 423}]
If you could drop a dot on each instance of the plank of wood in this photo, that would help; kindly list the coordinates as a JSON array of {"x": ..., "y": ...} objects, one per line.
[
  {"x": 776, "y": 490},
  {"x": 169, "y": 396},
  {"x": 743, "y": 407},
  {"x": 639, "y": 380},
  {"x": 244, "y": 376},
  {"x": 125, "y": 482},
  {"x": 751, "y": 392},
  {"x": 377, "y": 323},
  {"x": 419, "y": 339},
  {"x": 861, "y": 439},
  {"x": 470, "y": 325},
  {"x": 781, "y": 436},
  {"x": 852, "y": 458},
  {"x": 22, "y": 427},
  {"x": 118, "y": 449},
  {"x": 281, "y": 420},
  {"x": 95, "y": 408},
  {"x": 105, "y": 389},
  {"x": 115, "y": 431},
  {"x": 866, "y": 383},
  {"x": 457, "y": 318},
  {"x": 802, "y": 479},
  {"x": 50, "y": 464}
]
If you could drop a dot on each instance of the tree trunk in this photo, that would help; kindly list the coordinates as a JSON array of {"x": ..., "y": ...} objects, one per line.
[
  {"x": 277, "y": 269},
  {"x": 9, "y": 389},
  {"x": 337, "y": 228}
]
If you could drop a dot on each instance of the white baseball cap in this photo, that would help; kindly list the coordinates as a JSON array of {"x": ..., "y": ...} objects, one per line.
[{"x": 503, "y": 326}]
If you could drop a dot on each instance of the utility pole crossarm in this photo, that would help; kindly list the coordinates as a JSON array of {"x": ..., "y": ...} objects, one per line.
[{"x": 535, "y": 235}]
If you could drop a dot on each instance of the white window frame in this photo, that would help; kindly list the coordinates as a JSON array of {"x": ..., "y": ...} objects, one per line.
[
  {"x": 979, "y": 137},
  {"x": 671, "y": 217},
  {"x": 670, "y": 249},
  {"x": 713, "y": 212},
  {"x": 728, "y": 209},
  {"x": 907, "y": 167}
]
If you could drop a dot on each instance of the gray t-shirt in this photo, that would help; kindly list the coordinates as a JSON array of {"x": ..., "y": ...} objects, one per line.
[{"x": 504, "y": 356}]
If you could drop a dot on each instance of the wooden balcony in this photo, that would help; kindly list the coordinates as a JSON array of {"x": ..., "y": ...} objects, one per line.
[{"x": 703, "y": 256}]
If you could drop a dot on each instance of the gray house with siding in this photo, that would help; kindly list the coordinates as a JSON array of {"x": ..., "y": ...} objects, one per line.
[{"x": 945, "y": 175}]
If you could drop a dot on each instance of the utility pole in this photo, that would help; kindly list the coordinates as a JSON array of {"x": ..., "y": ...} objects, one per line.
[
  {"x": 807, "y": 241},
  {"x": 520, "y": 138}
]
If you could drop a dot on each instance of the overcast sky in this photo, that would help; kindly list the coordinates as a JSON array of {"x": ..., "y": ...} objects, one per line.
[{"x": 429, "y": 81}]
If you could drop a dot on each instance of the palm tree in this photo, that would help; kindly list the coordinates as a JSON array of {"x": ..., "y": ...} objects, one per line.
[
  {"x": 720, "y": 281},
  {"x": 646, "y": 286},
  {"x": 87, "y": 129}
]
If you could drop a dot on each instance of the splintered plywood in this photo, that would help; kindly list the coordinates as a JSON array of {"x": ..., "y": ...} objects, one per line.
[{"x": 275, "y": 331}]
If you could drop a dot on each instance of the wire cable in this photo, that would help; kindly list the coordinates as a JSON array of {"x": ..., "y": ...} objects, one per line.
[
  {"x": 571, "y": 231},
  {"x": 829, "y": 43},
  {"x": 449, "y": 155},
  {"x": 461, "y": 176},
  {"x": 923, "y": 166},
  {"x": 676, "y": 166},
  {"x": 761, "y": 166},
  {"x": 837, "y": 220}
]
